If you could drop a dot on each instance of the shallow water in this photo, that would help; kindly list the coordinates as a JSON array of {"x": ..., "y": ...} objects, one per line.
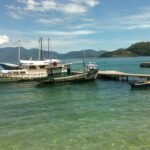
[{"x": 105, "y": 115}]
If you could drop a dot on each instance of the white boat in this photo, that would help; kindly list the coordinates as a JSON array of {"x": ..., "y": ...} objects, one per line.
[{"x": 28, "y": 70}]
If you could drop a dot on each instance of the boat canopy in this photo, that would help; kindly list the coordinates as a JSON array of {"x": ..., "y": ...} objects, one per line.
[
  {"x": 39, "y": 62},
  {"x": 9, "y": 66}
]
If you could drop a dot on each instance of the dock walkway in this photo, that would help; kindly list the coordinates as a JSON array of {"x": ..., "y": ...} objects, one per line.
[{"x": 111, "y": 74}]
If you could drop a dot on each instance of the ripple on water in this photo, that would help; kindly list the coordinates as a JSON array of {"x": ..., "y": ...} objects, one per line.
[{"x": 105, "y": 115}]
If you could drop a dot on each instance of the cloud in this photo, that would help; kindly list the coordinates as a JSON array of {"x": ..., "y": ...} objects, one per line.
[
  {"x": 50, "y": 21},
  {"x": 140, "y": 26},
  {"x": 66, "y": 6},
  {"x": 84, "y": 25},
  {"x": 15, "y": 12},
  {"x": 72, "y": 8},
  {"x": 124, "y": 21},
  {"x": 15, "y": 15},
  {"x": 138, "y": 20},
  {"x": 31, "y": 4},
  {"x": 90, "y": 3},
  {"x": 63, "y": 33},
  {"x": 4, "y": 39}
]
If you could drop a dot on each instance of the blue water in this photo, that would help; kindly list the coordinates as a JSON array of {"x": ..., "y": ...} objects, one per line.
[{"x": 100, "y": 115}]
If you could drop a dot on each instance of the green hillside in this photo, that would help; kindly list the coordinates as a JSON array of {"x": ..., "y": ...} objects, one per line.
[{"x": 137, "y": 49}]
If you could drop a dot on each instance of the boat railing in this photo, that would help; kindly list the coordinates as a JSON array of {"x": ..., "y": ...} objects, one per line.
[{"x": 24, "y": 76}]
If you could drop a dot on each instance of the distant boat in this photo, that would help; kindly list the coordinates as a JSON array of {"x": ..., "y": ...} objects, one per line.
[{"x": 145, "y": 84}]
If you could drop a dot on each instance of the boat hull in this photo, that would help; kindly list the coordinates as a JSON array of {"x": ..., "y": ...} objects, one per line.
[
  {"x": 140, "y": 85},
  {"x": 25, "y": 77},
  {"x": 73, "y": 78}
]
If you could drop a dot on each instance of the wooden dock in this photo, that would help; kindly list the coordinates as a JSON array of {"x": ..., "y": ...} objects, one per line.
[{"x": 116, "y": 75}]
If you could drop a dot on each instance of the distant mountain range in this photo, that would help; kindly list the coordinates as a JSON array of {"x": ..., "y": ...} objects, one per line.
[
  {"x": 10, "y": 54},
  {"x": 137, "y": 49}
]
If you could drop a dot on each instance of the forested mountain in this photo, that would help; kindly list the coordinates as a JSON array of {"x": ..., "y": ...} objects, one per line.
[{"x": 137, "y": 49}]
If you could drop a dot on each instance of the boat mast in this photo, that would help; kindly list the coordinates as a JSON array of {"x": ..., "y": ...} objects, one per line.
[
  {"x": 19, "y": 51},
  {"x": 83, "y": 60},
  {"x": 39, "y": 48},
  {"x": 41, "y": 56},
  {"x": 48, "y": 47}
]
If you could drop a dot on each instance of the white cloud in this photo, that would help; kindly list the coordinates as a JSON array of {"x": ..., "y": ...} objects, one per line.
[
  {"x": 74, "y": 8},
  {"x": 4, "y": 39},
  {"x": 30, "y": 4},
  {"x": 15, "y": 12},
  {"x": 67, "y": 6},
  {"x": 138, "y": 20},
  {"x": 122, "y": 21},
  {"x": 63, "y": 33},
  {"x": 84, "y": 25},
  {"x": 140, "y": 26},
  {"x": 15, "y": 15},
  {"x": 47, "y": 5},
  {"x": 90, "y": 3},
  {"x": 50, "y": 20}
]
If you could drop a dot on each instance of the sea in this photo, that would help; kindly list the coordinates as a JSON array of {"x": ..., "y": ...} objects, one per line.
[{"x": 97, "y": 115}]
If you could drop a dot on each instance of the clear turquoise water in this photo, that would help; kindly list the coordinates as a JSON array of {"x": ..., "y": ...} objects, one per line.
[{"x": 100, "y": 115}]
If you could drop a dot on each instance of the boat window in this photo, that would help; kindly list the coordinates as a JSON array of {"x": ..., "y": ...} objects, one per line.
[
  {"x": 42, "y": 66},
  {"x": 32, "y": 67},
  {"x": 15, "y": 73},
  {"x": 23, "y": 72}
]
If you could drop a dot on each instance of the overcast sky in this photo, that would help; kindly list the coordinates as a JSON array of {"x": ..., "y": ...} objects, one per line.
[{"x": 74, "y": 24}]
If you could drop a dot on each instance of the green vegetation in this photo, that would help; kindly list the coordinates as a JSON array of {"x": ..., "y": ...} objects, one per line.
[{"x": 137, "y": 49}]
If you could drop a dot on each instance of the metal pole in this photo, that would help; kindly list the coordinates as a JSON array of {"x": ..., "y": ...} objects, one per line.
[
  {"x": 83, "y": 60},
  {"x": 19, "y": 51},
  {"x": 48, "y": 47},
  {"x": 41, "y": 50}
]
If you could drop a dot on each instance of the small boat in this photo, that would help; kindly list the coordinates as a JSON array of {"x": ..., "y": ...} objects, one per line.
[
  {"x": 69, "y": 76},
  {"x": 144, "y": 84}
]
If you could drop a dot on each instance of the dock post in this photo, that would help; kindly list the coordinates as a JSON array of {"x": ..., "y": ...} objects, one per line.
[
  {"x": 127, "y": 79},
  {"x": 120, "y": 78}
]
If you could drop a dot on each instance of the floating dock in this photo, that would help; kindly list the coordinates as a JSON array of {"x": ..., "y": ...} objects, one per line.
[{"x": 116, "y": 75}]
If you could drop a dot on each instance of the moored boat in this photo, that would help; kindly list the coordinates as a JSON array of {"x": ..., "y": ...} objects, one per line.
[
  {"x": 89, "y": 73},
  {"x": 28, "y": 70},
  {"x": 145, "y": 84}
]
